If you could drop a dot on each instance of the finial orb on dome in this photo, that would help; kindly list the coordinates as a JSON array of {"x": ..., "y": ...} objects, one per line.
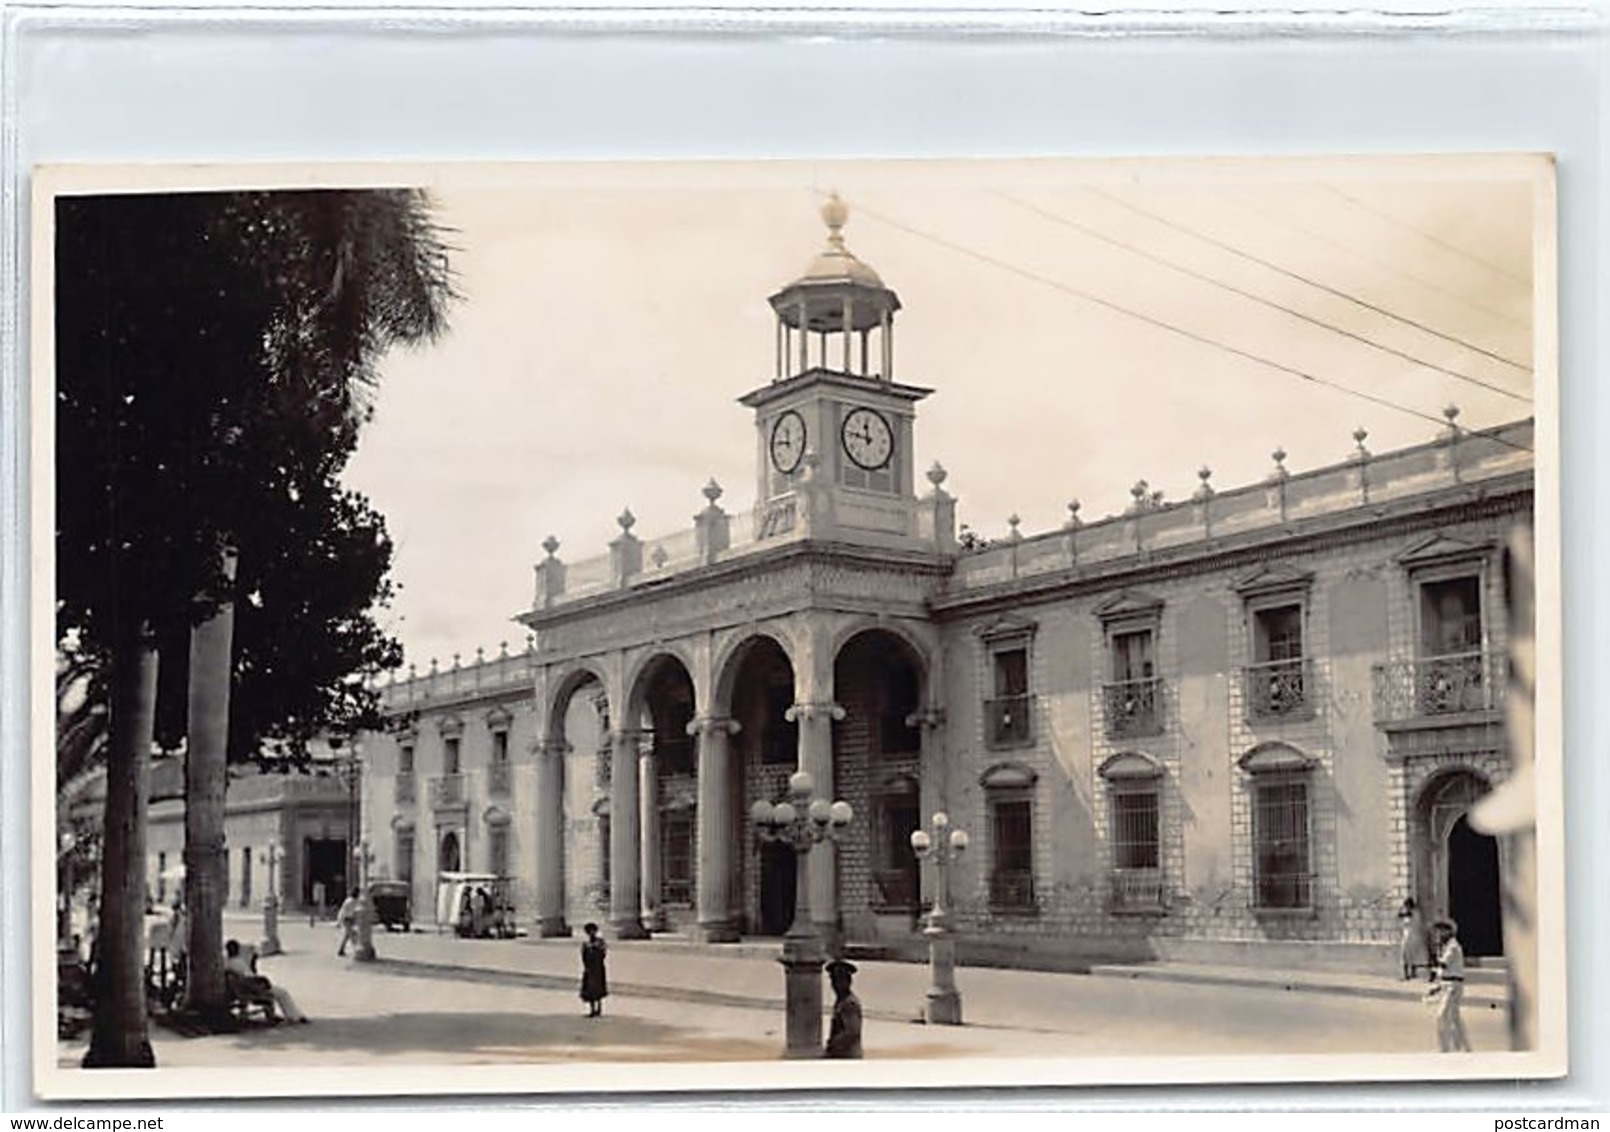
[{"x": 834, "y": 213}]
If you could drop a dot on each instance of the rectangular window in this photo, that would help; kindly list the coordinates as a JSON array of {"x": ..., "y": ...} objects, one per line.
[
  {"x": 1132, "y": 655},
  {"x": 405, "y": 857},
  {"x": 162, "y": 878},
  {"x": 500, "y": 748},
  {"x": 246, "y": 877},
  {"x": 1009, "y": 716},
  {"x": 405, "y": 759},
  {"x": 1277, "y": 680},
  {"x": 676, "y": 857},
  {"x": 1450, "y": 617},
  {"x": 894, "y": 865},
  {"x": 1011, "y": 821},
  {"x": 1137, "y": 875},
  {"x": 499, "y": 851},
  {"x": 450, "y": 759},
  {"x": 1281, "y": 875},
  {"x": 1130, "y": 702}
]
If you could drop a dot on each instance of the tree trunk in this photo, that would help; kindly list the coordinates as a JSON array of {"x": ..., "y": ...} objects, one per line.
[
  {"x": 120, "y": 1038},
  {"x": 206, "y": 777}
]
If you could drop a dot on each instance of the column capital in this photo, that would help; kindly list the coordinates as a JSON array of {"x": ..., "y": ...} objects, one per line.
[
  {"x": 550, "y": 748},
  {"x": 628, "y": 735},
  {"x": 713, "y": 724},
  {"x": 806, "y": 711},
  {"x": 929, "y": 719}
]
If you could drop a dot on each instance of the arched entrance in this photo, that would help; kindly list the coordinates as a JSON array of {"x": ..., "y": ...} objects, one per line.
[
  {"x": 449, "y": 855},
  {"x": 1458, "y": 867},
  {"x": 662, "y": 704},
  {"x": 760, "y": 688},
  {"x": 574, "y": 887},
  {"x": 877, "y": 756}
]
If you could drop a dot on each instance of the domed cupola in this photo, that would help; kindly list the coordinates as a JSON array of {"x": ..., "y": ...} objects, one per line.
[{"x": 826, "y": 317}]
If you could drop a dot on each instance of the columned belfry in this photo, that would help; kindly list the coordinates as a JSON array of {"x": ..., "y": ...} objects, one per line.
[{"x": 831, "y": 312}]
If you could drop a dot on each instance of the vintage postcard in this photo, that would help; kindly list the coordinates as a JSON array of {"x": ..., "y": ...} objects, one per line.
[{"x": 534, "y": 628}]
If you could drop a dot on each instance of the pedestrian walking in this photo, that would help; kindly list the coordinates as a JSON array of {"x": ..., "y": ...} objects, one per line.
[
  {"x": 844, "y": 1036},
  {"x": 1413, "y": 947},
  {"x": 347, "y": 919},
  {"x": 594, "y": 978},
  {"x": 1448, "y": 987}
]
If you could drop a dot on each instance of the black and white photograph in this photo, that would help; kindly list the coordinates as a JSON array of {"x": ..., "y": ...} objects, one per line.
[{"x": 540, "y": 628}]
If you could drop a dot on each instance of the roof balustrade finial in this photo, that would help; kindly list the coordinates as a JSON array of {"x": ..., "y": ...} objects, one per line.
[
  {"x": 1451, "y": 415},
  {"x": 1073, "y": 514},
  {"x": 1013, "y": 521},
  {"x": 834, "y": 214},
  {"x": 1279, "y": 457},
  {"x": 1360, "y": 435},
  {"x": 937, "y": 475},
  {"x": 659, "y": 557},
  {"x": 627, "y": 520},
  {"x": 1204, "y": 473},
  {"x": 550, "y": 544},
  {"x": 712, "y": 491}
]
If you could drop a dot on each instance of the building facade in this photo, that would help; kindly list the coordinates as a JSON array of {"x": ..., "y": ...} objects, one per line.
[{"x": 1247, "y": 721}]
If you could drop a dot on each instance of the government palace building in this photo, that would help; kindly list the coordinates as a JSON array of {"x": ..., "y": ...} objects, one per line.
[{"x": 1243, "y": 725}]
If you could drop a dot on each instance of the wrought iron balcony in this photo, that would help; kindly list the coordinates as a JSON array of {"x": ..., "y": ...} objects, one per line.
[
  {"x": 405, "y": 788},
  {"x": 446, "y": 790},
  {"x": 1133, "y": 707},
  {"x": 1009, "y": 721},
  {"x": 1278, "y": 689},
  {"x": 1438, "y": 686},
  {"x": 497, "y": 779},
  {"x": 1137, "y": 889}
]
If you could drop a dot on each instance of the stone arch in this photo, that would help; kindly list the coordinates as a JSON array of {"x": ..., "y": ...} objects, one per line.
[
  {"x": 1275, "y": 756},
  {"x": 1130, "y": 766},
  {"x": 730, "y": 657},
  {"x": 641, "y": 674},
  {"x": 916, "y": 650},
  {"x": 1456, "y": 868},
  {"x": 573, "y": 680}
]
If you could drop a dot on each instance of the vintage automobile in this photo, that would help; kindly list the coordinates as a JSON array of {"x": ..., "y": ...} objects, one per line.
[{"x": 392, "y": 903}]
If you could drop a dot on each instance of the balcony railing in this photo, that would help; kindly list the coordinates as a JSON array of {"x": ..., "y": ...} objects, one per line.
[
  {"x": 497, "y": 780},
  {"x": 1009, "y": 721},
  {"x": 405, "y": 788},
  {"x": 1278, "y": 689},
  {"x": 1133, "y": 707},
  {"x": 1134, "y": 889},
  {"x": 1457, "y": 684},
  {"x": 446, "y": 790}
]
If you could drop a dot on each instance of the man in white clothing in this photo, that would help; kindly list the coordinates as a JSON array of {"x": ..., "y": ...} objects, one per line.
[{"x": 1448, "y": 969}]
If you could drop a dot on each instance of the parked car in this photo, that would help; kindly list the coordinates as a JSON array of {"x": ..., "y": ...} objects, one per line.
[{"x": 392, "y": 902}]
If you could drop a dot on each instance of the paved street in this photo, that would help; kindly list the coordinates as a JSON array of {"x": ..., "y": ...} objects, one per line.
[{"x": 440, "y": 1000}]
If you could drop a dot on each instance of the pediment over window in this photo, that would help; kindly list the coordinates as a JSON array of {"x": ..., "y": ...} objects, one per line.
[
  {"x": 402, "y": 823},
  {"x": 898, "y": 786},
  {"x": 1130, "y": 766},
  {"x": 1129, "y": 604},
  {"x": 1003, "y": 776},
  {"x": 1006, "y": 627},
  {"x": 1269, "y": 758},
  {"x": 495, "y": 816},
  {"x": 1271, "y": 578},
  {"x": 601, "y": 807},
  {"x": 449, "y": 726},
  {"x": 1439, "y": 549},
  {"x": 405, "y": 729},
  {"x": 498, "y": 718}
]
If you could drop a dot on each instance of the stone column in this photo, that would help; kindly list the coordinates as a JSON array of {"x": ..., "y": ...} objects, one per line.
[
  {"x": 648, "y": 796},
  {"x": 551, "y": 838},
  {"x": 625, "y": 895},
  {"x": 715, "y": 879},
  {"x": 816, "y": 758}
]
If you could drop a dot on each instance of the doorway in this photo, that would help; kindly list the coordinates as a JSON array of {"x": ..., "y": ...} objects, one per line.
[
  {"x": 1473, "y": 899},
  {"x": 324, "y": 876},
  {"x": 778, "y": 868}
]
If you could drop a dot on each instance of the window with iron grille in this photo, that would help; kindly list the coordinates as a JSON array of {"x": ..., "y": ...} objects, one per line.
[
  {"x": 1277, "y": 680},
  {"x": 1282, "y": 876},
  {"x": 676, "y": 857},
  {"x": 405, "y": 856},
  {"x": 1011, "y": 823},
  {"x": 498, "y": 850},
  {"x": 1009, "y": 715}
]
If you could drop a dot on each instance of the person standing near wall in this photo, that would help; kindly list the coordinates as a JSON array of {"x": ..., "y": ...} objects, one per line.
[{"x": 1448, "y": 988}]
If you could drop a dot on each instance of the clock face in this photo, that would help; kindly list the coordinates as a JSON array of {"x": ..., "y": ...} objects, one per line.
[
  {"x": 867, "y": 438},
  {"x": 787, "y": 442}
]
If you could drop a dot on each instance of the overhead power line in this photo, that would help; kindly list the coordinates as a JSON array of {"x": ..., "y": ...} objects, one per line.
[
  {"x": 1151, "y": 320},
  {"x": 1446, "y": 245},
  {"x": 1315, "y": 283},
  {"x": 1254, "y": 297}
]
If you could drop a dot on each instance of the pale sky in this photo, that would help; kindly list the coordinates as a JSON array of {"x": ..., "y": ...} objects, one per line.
[{"x": 612, "y": 314}]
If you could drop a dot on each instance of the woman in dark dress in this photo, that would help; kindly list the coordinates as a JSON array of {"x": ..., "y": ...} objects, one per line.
[{"x": 594, "y": 982}]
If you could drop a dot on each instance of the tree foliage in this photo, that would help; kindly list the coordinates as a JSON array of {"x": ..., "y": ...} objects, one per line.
[{"x": 216, "y": 358}]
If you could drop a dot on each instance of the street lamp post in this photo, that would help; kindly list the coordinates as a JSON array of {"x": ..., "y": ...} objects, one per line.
[
  {"x": 944, "y": 848},
  {"x": 802, "y": 823},
  {"x": 271, "y": 903},
  {"x": 362, "y": 857}
]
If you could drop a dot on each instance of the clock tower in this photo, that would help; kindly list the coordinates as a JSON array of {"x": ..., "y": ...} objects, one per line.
[{"x": 833, "y": 428}]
